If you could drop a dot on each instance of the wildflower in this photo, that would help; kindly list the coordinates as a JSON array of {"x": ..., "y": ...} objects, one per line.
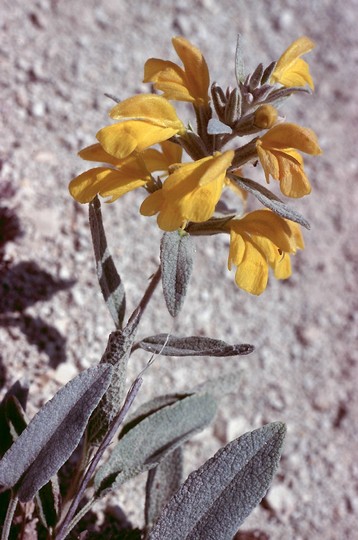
[
  {"x": 124, "y": 175},
  {"x": 290, "y": 69},
  {"x": 188, "y": 84},
  {"x": 276, "y": 150},
  {"x": 259, "y": 240},
  {"x": 190, "y": 193},
  {"x": 144, "y": 120}
]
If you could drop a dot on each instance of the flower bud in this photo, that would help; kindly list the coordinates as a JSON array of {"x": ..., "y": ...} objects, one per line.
[{"x": 265, "y": 116}]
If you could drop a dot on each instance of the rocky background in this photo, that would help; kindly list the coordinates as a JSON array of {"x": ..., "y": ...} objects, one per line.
[{"x": 57, "y": 60}]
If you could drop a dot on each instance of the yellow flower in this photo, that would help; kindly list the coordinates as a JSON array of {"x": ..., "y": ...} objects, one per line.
[
  {"x": 145, "y": 120},
  {"x": 276, "y": 150},
  {"x": 125, "y": 174},
  {"x": 188, "y": 84},
  {"x": 259, "y": 240},
  {"x": 190, "y": 193},
  {"x": 290, "y": 69}
]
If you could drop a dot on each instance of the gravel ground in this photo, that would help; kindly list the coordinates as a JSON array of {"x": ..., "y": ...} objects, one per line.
[{"x": 58, "y": 59}]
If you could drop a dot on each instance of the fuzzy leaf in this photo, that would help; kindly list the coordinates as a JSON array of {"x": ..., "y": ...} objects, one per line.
[
  {"x": 214, "y": 225},
  {"x": 12, "y": 412},
  {"x": 215, "y": 499},
  {"x": 148, "y": 408},
  {"x": 149, "y": 441},
  {"x": 268, "y": 199},
  {"x": 14, "y": 420},
  {"x": 191, "y": 346},
  {"x": 20, "y": 389},
  {"x": 254, "y": 534},
  {"x": 176, "y": 254},
  {"x": 239, "y": 61},
  {"x": 48, "y": 501},
  {"x": 255, "y": 77},
  {"x": 268, "y": 72},
  {"x": 278, "y": 96},
  {"x": 117, "y": 354},
  {"x": 109, "y": 280},
  {"x": 216, "y": 388},
  {"x": 53, "y": 434},
  {"x": 163, "y": 481},
  {"x": 216, "y": 127}
]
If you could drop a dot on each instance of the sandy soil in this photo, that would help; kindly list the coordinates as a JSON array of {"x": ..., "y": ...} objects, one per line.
[{"x": 58, "y": 59}]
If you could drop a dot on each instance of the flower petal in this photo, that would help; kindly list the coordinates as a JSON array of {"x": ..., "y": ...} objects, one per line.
[
  {"x": 196, "y": 69},
  {"x": 168, "y": 78},
  {"x": 123, "y": 138},
  {"x": 95, "y": 152},
  {"x": 157, "y": 160},
  {"x": 297, "y": 75},
  {"x": 152, "y": 204},
  {"x": 189, "y": 84},
  {"x": 293, "y": 180},
  {"x": 268, "y": 161},
  {"x": 150, "y": 108},
  {"x": 252, "y": 273},
  {"x": 267, "y": 224},
  {"x": 288, "y": 135},
  {"x": 258, "y": 240},
  {"x": 291, "y": 70},
  {"x": 184, "y": 198},
  {"x": 282, "y": 268},
  {"x": 163, "y": 71},
  {"x": 102, "y": 181}
]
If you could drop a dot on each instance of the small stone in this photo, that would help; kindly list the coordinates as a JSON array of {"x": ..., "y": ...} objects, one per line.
[
  {"x": 38, "y": 109},
  {"x": 286, "y": 19},
  {"x": 65, "y": 372},
  {"x": 275, "y": 398},
  {"x": 78, "y": 297},
  {"x": 237, "y": 427},
  {"x": 282, "y": 500}
]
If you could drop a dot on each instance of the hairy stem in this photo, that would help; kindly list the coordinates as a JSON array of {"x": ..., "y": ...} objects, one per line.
[
  {"x": 82, "y": 512},
  {"x": 9, "y": 517},
  {"x": 138, "y": 312}
]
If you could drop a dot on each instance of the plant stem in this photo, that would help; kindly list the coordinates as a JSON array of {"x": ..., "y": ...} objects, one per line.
[
  {"x": 132, "y": 393},
  {"x": 138, "y": 312},
  {"x": 9, "y": 517},
  {"x": 80, "y": 515}
]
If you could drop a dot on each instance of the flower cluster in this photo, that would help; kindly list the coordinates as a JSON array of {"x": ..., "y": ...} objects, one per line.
[{"x": 144, "y": 149}]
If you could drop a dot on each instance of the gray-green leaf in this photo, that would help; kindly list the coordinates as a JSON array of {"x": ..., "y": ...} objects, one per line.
[
  {"x": 216, "y": 388},
  {"x": 215, "y": 499},
  {"x": 109, "y": 280},
  {"x": 216, "y": 127},
  {"x": 117, "y": 354},
  {"x": 176, "y": 256},
  {"x": 12, "y": 414},
  {"x": 53, "y": 434},
  {"x": 149, "y": 441},
  {"x": 163, "y": 481},
  {"x": 239, "y": 61},
  {"x": 268, "y": 199},
  {"x": 48, "y": 501},
  {"x": 168, "y": 345}
]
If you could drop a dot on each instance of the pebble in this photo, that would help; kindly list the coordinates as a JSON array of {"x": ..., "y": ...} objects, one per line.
[
  {"x": 282, "y": 500},
  {"x": 38, "y": 109},
  {"x": 237, "y": 427},
  {"x": 65, "y": 372}
]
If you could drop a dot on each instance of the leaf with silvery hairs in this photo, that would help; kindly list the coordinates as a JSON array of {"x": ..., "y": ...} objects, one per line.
[
  {"x": 109, "y": 280},
  {"x": 117, "y": 353}
]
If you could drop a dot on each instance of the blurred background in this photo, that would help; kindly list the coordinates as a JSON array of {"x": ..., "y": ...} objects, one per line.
[{"x": 57, "y": 61}]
